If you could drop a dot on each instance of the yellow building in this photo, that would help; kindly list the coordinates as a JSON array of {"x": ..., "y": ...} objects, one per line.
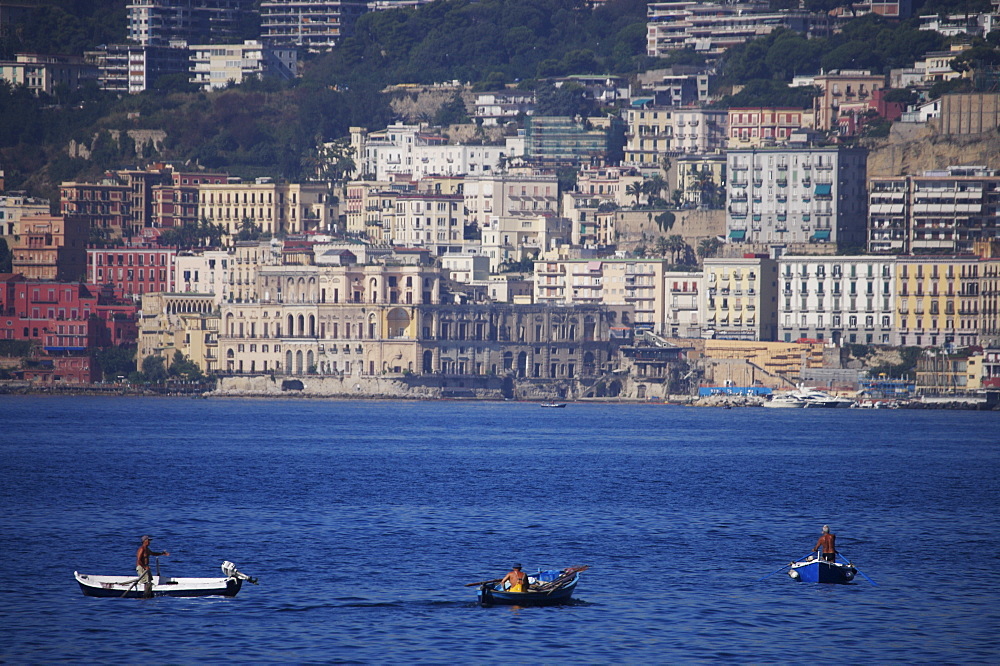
[
  {"x": 741, "y": 298},
  {"x": 938, "y": 300},
  {"x": 275, "y": 208},
  {"x": 328, "y": 320},
  {"x": 188, "y": 323}
]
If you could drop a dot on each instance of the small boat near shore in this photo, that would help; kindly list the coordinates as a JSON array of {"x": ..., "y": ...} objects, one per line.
[
  {"x": 553, "y": 405},
  {"x": 546, "y": 588},
  {"x": 128, "y": 587}
]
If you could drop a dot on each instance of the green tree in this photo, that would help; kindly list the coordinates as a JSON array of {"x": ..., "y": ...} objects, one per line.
[
  {"x": 116, "y": 361},
  {"x": 153, "y": 370},
  {"x": 634, "y": 190},
  {"x": 676, "y": 246},
  {"x": 6, "y": 257},
  {"x": 709, "y": 247},
  {"x": 184, "y": 368}
]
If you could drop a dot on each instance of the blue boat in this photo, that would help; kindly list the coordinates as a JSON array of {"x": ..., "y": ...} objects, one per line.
[
  {"x": 822, "y": 571},
  {"x": 546, "y": 588}
]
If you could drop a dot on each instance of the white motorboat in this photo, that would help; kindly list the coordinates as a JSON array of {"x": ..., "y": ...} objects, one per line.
[
  {"x": 164, "y": 586},
  {"x": 786, "y": 400},
  {"x": 809, "y": 398}
]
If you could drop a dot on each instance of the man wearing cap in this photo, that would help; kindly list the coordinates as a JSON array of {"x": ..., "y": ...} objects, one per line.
[
  {"x": 142, "y": 563},
  {"x": 518, "y": 580},
  {"x": 828, "y": 542}
]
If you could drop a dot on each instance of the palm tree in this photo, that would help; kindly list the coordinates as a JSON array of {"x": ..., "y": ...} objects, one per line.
[
  {"x": 676, "y": 245},
  {"x": 653, "y": 187},
  {"x": 708, "y": 247},
  {"x": 634, "y": 190},
  {"x": 662, "y": 246}
]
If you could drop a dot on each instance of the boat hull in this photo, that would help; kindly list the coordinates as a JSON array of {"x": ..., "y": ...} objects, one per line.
[
  {"x": 821, "y": 571},
  {"x": 123, "y": 586},
  {"x": 489, "y": 595}
]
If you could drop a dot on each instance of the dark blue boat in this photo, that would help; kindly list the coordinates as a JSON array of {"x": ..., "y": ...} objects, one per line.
[
  {"x": 822, "y": 571},
  {"x": 547, "y": 588}
]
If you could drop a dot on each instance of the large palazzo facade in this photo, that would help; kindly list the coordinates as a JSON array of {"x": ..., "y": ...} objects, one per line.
[{"x": 378, "y": 320}]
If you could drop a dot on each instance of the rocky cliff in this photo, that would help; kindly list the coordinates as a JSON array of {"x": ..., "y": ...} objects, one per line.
[{"x": 913, "y": 149}]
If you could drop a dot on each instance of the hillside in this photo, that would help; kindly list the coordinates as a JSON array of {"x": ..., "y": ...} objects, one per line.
[{"x": 913, "y": 149}]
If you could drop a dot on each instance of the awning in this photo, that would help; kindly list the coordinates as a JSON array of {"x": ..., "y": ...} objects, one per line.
[
  {"x": 738, "y": 234},
  {"x": 821, "y": 234},
  {"x": 823, "y": 189}
]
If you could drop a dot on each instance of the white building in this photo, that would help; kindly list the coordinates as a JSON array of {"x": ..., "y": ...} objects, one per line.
[
  {"x": 433, "y": 221},
  {"x": 510, "y": 194},
  {"x": 496, "y": 108},
  {"x": 797, "y": 195},
  {"x": 840, "y": 299},
  {"x": 207, "y": 272},
  {"x": 419, "y": 152},
  {"x": 217, "y": 65},
  {"x": 520, "y": 237},
  {"x": 683, "y": 292},
  {"x": 466, "y": 268}
]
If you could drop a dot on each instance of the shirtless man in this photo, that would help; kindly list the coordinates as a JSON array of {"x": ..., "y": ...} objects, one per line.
[
  {"x": 828, "y": 542},
  {"x": 518, "y": 580},
  {"x": 142, "y": 564}
]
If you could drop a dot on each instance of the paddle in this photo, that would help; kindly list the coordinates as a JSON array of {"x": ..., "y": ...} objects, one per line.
[
  {"x": 848, "y": 562},
  {"x": 484, "y": 582},
  {"x": 786, "y": 566}
]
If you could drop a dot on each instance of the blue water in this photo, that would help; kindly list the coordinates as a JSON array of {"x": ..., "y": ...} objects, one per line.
[{"x": 364, "y": 520}]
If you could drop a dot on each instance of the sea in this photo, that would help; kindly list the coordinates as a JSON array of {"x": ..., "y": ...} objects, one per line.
[{"x": 365, "y": 520}]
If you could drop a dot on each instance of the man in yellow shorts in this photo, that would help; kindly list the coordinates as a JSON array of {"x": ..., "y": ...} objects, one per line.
[{"x": 518, "y": 580}]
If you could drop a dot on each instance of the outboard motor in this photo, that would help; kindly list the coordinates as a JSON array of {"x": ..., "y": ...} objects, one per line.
[{"x": 231, "y": 571}]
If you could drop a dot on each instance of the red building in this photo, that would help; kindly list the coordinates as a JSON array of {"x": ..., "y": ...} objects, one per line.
[
  {"x": 133, "y": 270},
  {"x": 175, "y": 204},
  {"x": 64, "y": 316}
]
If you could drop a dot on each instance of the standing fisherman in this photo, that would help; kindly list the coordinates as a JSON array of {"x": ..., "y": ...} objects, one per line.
[
  {"x": 142, "y": 564},
  {"x": 828, "y": 542}
]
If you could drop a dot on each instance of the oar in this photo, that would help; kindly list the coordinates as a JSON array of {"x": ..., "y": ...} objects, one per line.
[
  {"x": 484, "y": 582},
  {"x": 786, "y": 566},
  {"x": 848, "y": 562}
]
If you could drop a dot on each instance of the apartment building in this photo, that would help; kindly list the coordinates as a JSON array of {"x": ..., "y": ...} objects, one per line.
[
  {"x": 939, "y": 300},
  {"x": 841, "y": 299},
  {"x": 946, "y": 210},
  {"x": 648, "y": 136},
  {"x": 250, "y": 257},
  {"x": 683, "y": 291},
  {"x": 554, "y": 141},
  {"x": 699, "y": 131},
  {"x": 840, "y": 89},
  {"x": 521, "y": 193},
  {"x": 425, "y": 219},
  {"x": 42, "y": 73},
  {"x": 316, "y": 25},
  {"x": 126, "y": 69},
  {"x": 740, "y": 299},
  {"x": 133, "y": 270},
  {"x": 14, "y": 206},
  {"x": 160, "y": 22},
  {"x": 275, "y": 208},
  {"x": 175, "y": 201},
  {"x": 49, "y": 247},
  {"x": 797, "y": 195},
  {"x": 417, "y": 151},
  {"x": 639, "y": 283},
  {"x": 216, "y": 66},
  {"x": 205, "y": 272},
  {"x": 513, "y": 238},
  {"x": 713, "y": 27},
  {"x": 497, "y": 108},
  {"x": 758, "y": 126},
  {"x": 366, "y": 201}
]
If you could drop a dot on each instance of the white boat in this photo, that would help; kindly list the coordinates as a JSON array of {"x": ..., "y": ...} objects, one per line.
[
  {"x": 786, "y": 400},
  {"x": 809, "y": 398},
  {"x": 164, "y": 586}
]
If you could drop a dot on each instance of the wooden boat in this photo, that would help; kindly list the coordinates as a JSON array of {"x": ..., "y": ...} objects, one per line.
[
  {"x": 164, "y": 586},
  {"x": 557, "y": 405},
  {"x": 546, "y": 588},
  {"x": 822, "y": 571}
]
